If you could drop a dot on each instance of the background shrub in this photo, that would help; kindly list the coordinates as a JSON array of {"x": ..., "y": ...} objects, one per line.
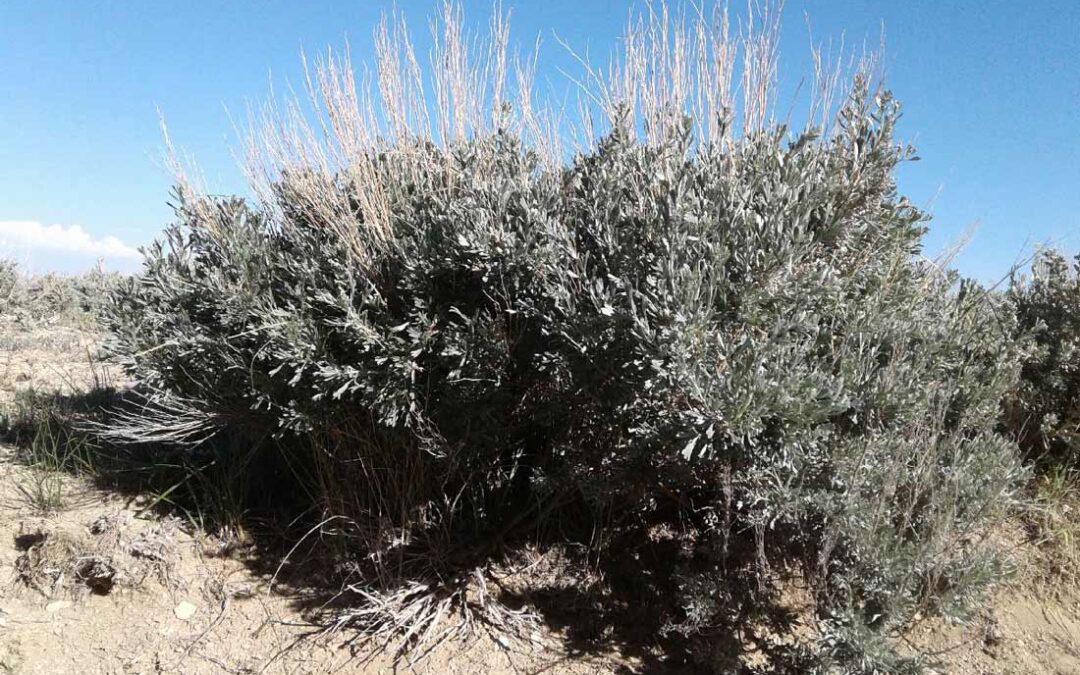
[
  {"x": 1044, "y": 413},
  {"x": 73, "y": 299},
  {"x": 703, "y": 343}
]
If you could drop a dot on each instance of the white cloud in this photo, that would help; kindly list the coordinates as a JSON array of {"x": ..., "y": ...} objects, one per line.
[
  {"x": 62, "y": 247},
  {"x": 72, "y": 239}
]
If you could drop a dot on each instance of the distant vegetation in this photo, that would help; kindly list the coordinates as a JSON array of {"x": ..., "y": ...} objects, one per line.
[
  {"x": 1046, "y": 409},
  {"x": 701, "y": 352},
  {"x": 28, "y": 299}
]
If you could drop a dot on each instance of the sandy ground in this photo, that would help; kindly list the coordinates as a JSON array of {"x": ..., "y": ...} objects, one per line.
[
  {"x": 46, "y": 358},
  {"x": 96, "y": 586},
  {"x": 174, "y": 607},
  {"x": 1030, "y": 625}
]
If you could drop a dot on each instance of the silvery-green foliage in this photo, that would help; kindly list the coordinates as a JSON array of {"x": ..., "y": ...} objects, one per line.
[
  {"x": 30, "y": 299},
  {"x": 9, "y": 279},
  {"x": 1044, "y": 413},
  {"x": 758, "y": 336},
  {"x": 737, "y": 346}
]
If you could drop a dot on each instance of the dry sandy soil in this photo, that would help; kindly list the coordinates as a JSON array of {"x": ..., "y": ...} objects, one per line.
[
  {"x": 46, "y": 358},
  {"x": 110, "y": 591},
  {"x": 97, "y": 586}
]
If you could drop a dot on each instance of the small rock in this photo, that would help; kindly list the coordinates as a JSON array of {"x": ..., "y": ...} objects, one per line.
[
  {"x": 185, "y": 610},
  {"x": 57, "y": 605}
]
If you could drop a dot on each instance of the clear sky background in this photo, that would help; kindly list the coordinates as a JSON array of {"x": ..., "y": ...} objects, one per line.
[{"x": 991, "y": 91}]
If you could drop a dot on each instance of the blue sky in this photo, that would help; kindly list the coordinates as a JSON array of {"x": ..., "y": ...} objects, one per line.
[{"x": 991, "y": 91}]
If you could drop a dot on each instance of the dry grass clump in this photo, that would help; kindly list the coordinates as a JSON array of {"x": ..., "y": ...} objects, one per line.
[
  {"x": 97, "y": 558},
  {"x": 1053, "y": 520}
]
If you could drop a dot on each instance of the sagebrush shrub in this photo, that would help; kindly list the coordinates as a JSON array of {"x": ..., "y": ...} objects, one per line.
[
  {"x": 760, "y": 353},
  {"x": 1044, "y": 412},
  {"x": 723, "y": 333}
]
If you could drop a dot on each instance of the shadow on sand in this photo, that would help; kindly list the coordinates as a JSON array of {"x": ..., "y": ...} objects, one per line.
[{"x": 621, "y": 598}]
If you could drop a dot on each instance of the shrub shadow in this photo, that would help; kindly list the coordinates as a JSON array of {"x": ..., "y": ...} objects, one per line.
[{"x": 619, "y": 599}]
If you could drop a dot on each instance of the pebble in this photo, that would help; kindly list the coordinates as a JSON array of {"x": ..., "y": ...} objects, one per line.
[
  {"x": 185, "y": 610},
  {"x": 57, "y": 605}
]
